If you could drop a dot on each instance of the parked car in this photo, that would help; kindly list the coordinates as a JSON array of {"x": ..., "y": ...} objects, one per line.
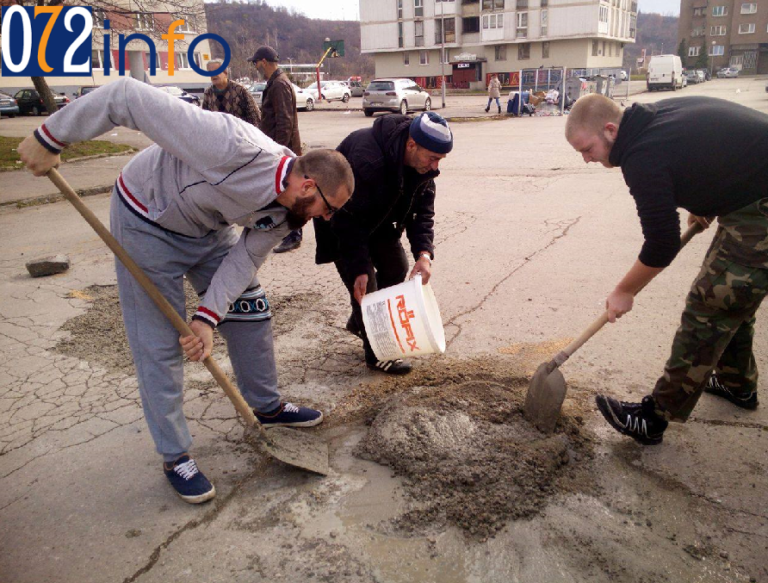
[
  {"x": 399, "y": 95},
  {"x": 30, "y": 102},
  {"x": 356, "y": 86},
  {"x": 702, "y": 75},
  {"x": 693, "y": 77},
  {"x": 257, "y": 90},
  {"x": 8, "y": 105},
  {"x": 665, "y": 72},
  {"x": 180, "y": 93},
  {"x": 84, "y": 90},
  {"x": 330, "y": 91},
  {"x": 728, "y": 73},
  {"x": 623, "y": 75},
  {"x": 303, "y": 99}
]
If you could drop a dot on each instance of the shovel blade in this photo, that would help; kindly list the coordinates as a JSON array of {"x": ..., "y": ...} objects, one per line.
[
  {"x": 545, "y": 397},
  {"x": 294, "y": 448}
]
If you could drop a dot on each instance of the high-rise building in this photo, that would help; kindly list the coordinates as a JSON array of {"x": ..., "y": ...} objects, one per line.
[
  {"x": 474, "y": 38},
  {"x": 723, "y": 33}
]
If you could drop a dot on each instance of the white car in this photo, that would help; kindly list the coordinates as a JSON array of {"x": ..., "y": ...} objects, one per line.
[
  {"x": 728, "y": 73},
  {"x": 257, "y": 90},
  {"x": 623, "y": 75},
  {"x": 330, "y": 90},
  {"x": 399, "y": 95}
]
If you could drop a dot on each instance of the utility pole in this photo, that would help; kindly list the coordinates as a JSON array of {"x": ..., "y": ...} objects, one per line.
[{"x": 442, "y": 52}]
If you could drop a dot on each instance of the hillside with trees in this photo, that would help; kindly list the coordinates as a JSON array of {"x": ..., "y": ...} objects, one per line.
[
  {"x": 656, "y": 34},
  {"x": 298, "y": 39}
]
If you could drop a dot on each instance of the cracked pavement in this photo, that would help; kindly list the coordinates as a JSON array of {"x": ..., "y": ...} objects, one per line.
[{"x": 529, "y": 242}]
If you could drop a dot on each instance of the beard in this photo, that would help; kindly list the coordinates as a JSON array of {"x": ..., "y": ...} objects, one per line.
[{"x": 298, "y": 214}]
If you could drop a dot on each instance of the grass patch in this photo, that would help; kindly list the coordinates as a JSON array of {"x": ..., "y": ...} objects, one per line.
[{"x": 9, "y": 157}]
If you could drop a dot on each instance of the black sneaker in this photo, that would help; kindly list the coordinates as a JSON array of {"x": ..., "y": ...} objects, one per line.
[
  {"x": 352, "y": 327},
  {"x": 715, "y": 387},
  {"x": 290, "y": 415},
  {"x": 637, "y": 420},
  {"x": 292, "y": 241},
  {"x": 397, "y": 366},
  {"x": 188, "y": 481}
]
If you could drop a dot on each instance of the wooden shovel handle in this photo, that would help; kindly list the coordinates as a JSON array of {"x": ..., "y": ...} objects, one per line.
[
  {"x": 595, "y": 326},
  {"x": 165, "y": 307}
]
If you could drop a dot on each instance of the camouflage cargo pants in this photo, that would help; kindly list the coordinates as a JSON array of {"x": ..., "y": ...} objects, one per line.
[{"x": 717, "y": 325}]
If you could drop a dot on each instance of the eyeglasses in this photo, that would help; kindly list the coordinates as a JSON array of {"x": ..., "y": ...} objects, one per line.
[{"x": 331, "y": 209}]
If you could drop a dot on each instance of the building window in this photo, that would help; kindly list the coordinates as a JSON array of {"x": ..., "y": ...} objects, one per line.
[
  {"x": 522, "y": 24},
  {"x": 747, "y": 28},
  {"x": 719, "y": 11},
  {"x": 544, "y": 3},
  {"x": 471, "y": 24},
  {"x": 406, "y": 59},
  {"x": 399, "y": 9},
  {"x": 145, "y": 21},
  {"x": 693, "y": 51},
  {"x": 400, "y": 43},
  {"x": 493, "y": 21},
  {"x": 603, "y": 14},
  {"x": 594, "y": 48},
  {"x": 99, "y": 16},
  {"x": 716, "y": 50},
  {"x": 418, "y": 8},
  {"x": 445, "y": 53},
  {"x": 610, "y": 49},
  {"x": 632, "y": 26},
  {"x": 699, "y": 11},
  {"x": 419, "y": 33},
  {"x": 423, "y": 57},
  {"x": 699, "y": 31},
  {"x": 545, "y": 50},
  {"x": 188, "y": 25},
  {"x": 493, "y": 4},
  {"x": 717, "y": 31},
  {"x": 500, "y": 52},
  {"x": 523, "y": 51},
  {"x": 182, "y": 61},
  {"x": 450, "y": 30},
  {"x": 97, "y": 60},
  {"x": 544, "y": 22},
  {"x": 749, "y": 8},
  {"x": 522, "y": 4},
  {"x": 198, "y": 59}
]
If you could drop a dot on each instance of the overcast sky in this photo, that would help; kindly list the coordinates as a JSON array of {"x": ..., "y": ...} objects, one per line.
[{"x": 348, "y": 9}]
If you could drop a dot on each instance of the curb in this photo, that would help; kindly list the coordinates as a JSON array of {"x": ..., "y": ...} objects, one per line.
[{"x": 51, "y": 198}]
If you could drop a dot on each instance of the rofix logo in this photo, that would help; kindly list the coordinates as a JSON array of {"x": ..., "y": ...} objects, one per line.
[
  {"x": 405, "y": 315},
  {"x": 56, "y": 41}
]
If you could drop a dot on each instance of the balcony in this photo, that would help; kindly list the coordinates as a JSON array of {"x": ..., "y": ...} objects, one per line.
[{"x": 633, "y": 8}]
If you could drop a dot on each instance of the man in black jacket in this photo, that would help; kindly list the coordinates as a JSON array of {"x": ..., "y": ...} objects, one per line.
[
  {"x": 395, "y": 163},
  {"x": 709, "y": 157}
]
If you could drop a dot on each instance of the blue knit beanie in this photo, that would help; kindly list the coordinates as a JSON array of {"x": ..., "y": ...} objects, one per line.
[{"x": 429, "y": 130}]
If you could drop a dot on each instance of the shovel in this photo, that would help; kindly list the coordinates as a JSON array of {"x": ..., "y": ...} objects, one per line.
[
  {"x": 546, "y": 392},
  {"x": 287, "y": 445}
]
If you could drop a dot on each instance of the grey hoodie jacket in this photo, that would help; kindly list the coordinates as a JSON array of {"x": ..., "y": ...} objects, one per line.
[{"x": 206, "y": 171}]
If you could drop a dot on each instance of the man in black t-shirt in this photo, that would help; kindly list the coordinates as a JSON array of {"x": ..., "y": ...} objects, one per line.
[{"x": 709, "y": 157}]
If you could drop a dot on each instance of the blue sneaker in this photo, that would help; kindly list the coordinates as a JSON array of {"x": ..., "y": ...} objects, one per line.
[
  {"x": 188, "y": 481},
  {"x": 290, "y": 415}
]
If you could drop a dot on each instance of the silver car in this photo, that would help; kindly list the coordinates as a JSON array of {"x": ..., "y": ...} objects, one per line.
[{"x": 399, "y": 95}]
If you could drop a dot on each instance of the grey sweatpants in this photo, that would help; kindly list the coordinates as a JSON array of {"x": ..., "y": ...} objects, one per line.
[{"x": 167, "y": 258}]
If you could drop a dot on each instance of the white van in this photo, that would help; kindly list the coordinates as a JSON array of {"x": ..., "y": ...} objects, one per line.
[{"x": 665, "y": 72}]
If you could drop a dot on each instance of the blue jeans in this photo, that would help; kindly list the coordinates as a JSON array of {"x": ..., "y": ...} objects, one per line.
[{"x": 490, "y": 100}]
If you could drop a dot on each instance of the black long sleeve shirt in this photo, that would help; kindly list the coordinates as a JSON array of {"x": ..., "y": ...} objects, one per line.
[{"x": 707, "y": 156}]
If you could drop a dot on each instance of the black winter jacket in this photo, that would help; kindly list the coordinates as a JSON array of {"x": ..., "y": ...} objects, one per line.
[
  {"x": 708, "y": 156},
  {"x": 389, "y": 198}
]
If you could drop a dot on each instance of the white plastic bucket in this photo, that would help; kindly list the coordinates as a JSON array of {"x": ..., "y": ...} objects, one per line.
[{"x": 403, "y": 320}]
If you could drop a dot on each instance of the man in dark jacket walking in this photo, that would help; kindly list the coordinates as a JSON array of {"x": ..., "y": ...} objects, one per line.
[
  {"x": 395, "y": 163},
  {"x": 709, "y": 157},
  {"x": 279, "y": 118}
]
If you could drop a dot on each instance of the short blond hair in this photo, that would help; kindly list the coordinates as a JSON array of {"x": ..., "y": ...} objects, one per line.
[
  {"x": 591, "y": 113},
  {"x": 329, "y": 169}
]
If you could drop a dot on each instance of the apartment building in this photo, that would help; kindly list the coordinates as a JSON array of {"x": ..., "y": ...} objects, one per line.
[
  {"x": 729, "y": 32},
  {"x": 471, "y": 39},
  {"x": 125, "y": 18}
]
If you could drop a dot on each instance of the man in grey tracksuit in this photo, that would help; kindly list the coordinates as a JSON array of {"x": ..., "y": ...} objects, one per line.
[{"x": 174, "y": 207}]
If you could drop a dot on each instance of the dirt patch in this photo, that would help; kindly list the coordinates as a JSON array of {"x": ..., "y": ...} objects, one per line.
[
  {"x": 98, "y": 335},
  {"x": 468, "y": 456}
]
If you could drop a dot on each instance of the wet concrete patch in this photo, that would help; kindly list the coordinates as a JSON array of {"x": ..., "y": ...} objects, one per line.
[{"x": 468, "y": 457}]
